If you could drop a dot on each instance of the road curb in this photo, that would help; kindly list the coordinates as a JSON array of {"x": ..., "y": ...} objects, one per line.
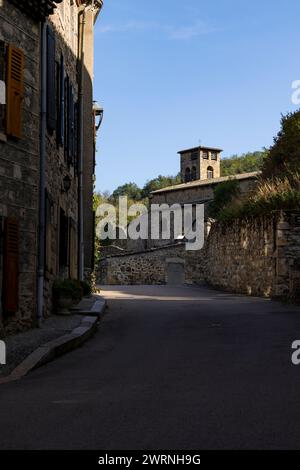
[{"x": 59, "y": 346}]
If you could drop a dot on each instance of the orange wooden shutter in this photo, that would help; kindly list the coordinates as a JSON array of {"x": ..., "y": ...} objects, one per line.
[
  {"x": 15, "y": 91},
  {"x": 11, "y": 266}
]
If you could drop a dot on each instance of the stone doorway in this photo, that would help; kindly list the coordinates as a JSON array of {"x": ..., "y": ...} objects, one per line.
[{"x": 175, "y": 272}]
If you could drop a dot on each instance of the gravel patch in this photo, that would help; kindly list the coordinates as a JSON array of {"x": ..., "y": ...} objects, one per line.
[{"x": 19, "y": 346}]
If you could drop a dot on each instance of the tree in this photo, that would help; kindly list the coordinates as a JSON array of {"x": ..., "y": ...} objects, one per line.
[
  {"x": 246, "y": 163},
  {"x": 159, "y": 183},
  {"x": 284, "y": 155},
  {"x": 131, "y": 190}
]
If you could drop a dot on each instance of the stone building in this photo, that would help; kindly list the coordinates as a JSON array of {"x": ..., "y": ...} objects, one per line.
[
  {"x": 47, "y": 156},
  {"x": 200, "y": 175}
]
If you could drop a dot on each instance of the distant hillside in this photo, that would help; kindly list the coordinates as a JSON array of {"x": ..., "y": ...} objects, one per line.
[{"x": 245, "y": 163}]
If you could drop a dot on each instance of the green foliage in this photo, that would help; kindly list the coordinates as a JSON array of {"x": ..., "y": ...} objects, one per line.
[
  {"x": 285, "y": 153},
  {"x": 224, "y": 193},
  {"x": 131, "y": 190},
  {"x": 271, "y": 195},
  {"x": 246, "y": 163},
  {"x": 159, "y": 183},
  {"x": 279, "y": 185}
]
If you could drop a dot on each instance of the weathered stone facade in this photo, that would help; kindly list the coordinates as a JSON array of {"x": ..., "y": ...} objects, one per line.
[
  {"x": 19, "y": 165},
  {"x": 20, "y": 157},
  {"x": 259, "y": 256}
]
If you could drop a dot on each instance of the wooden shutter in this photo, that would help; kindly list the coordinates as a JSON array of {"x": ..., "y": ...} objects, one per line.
[
  {"x": 66, "y": 117},
  {"x": 61, "y": 113},
  {"x": 15, "y": 91},
  {"x": 76, "y": 137},
  {"x": 11, "y": 266},
  {"x": 51, "y": 82},
  {"x": 3, "y": 79},
  {"x": 71, "y": 126}
]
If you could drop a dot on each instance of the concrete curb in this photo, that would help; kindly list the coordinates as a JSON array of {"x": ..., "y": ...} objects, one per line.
[{"x": 58, "y": 346}]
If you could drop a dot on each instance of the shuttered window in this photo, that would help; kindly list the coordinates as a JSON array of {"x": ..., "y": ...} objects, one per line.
[
  {"x": 71, "y": 126},
  {"x": 11, "y": 266},
  {"x": 66, "y": 117},
  {"x": 15, "y": 91},
  {"x": 51, "y": 82},
  {"x": 2, "y": 86},
  {"x": 76, "y": 137},
  {"x": 73, "y": 255},
  {"x": 63, "y": 239},
  {"x": 61, "y": 102}
]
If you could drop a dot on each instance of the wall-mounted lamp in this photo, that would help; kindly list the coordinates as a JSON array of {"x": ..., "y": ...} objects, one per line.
[
  {"x": 98, "y": 113},
  {"x": 66, "y": 183}
]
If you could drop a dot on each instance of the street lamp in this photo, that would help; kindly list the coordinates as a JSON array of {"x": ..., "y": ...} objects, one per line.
[{"x": 98, "y": 112}]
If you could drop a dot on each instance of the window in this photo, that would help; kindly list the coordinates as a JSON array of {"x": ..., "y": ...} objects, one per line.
[
  {"x": 194, "y": 173},
  {"x": 205, "y": 154},
  {"x": 11, "y": 90},
  {"x": 187, "y": 175},
  {"x": 10, "y": 294},
  {"x": 194, "y": 156},
  {"x": 210, "y": 172},
  {"x": 14, "y": 91},
  {"x": 51, "y": 82},
  {"x": 214, "y": 155},
  {"x": 63, "y": 240},
  {"x": 60, "y": 102},
  {"x": 2, "y": 86}
]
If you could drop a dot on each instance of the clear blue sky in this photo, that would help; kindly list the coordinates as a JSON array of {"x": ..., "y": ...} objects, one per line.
[{"x": 171, "y": 73}]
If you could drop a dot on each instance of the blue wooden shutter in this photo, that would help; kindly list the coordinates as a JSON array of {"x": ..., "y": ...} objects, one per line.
[
  {"x": 11, "y": 266},
  {"x": 71, "y": 126},
  {"x": 51, "y": 82},
  {"x": 61, "y": 105}
]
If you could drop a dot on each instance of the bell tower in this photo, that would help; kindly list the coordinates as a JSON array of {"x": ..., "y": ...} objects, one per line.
[{"x": 200, "y": 163}]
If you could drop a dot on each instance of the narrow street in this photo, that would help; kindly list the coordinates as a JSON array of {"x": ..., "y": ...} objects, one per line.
[{"x": 169, "y": 368}]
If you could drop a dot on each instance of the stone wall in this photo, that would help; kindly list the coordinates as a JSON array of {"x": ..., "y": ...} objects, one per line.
[
  {"x": 241, "y": 256},
  {"x": 259, "y": 256},
  {"x": 149, "y": 267},
  {"x": 19, "y": 165}
]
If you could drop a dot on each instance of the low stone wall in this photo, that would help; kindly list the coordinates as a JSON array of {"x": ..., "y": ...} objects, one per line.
[
  {"x": 149, "y": 267},
  {"x": 258, "y": 256}
]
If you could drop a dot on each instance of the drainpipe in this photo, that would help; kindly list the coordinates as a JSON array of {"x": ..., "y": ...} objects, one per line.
[
  {"x": 41, "y": 235},
  {"x": 82, "y": 21}
]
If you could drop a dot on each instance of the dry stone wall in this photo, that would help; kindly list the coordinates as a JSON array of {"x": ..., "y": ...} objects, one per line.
[{"x": 258, "y": 256}]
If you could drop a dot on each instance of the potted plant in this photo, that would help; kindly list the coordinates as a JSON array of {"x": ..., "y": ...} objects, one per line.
[{"x": 65, "y": 294}]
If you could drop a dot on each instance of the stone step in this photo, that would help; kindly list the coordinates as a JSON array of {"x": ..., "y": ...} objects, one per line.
[{"x": 93, "y": 306}]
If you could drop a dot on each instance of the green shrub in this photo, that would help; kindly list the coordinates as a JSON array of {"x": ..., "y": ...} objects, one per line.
[
  {"x": 271, "y": 195},
  {"x": 68, "y": 288},
  {"x": 224, "y": 194}
]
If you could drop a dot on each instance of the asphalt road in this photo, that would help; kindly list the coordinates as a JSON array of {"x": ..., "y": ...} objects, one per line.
[{"x": 169, "y": 368}]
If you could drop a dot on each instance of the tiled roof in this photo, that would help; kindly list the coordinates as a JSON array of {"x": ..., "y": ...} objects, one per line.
[
  {"x": 208, "y": 182},
  {"x": 201, "y": 147}
]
